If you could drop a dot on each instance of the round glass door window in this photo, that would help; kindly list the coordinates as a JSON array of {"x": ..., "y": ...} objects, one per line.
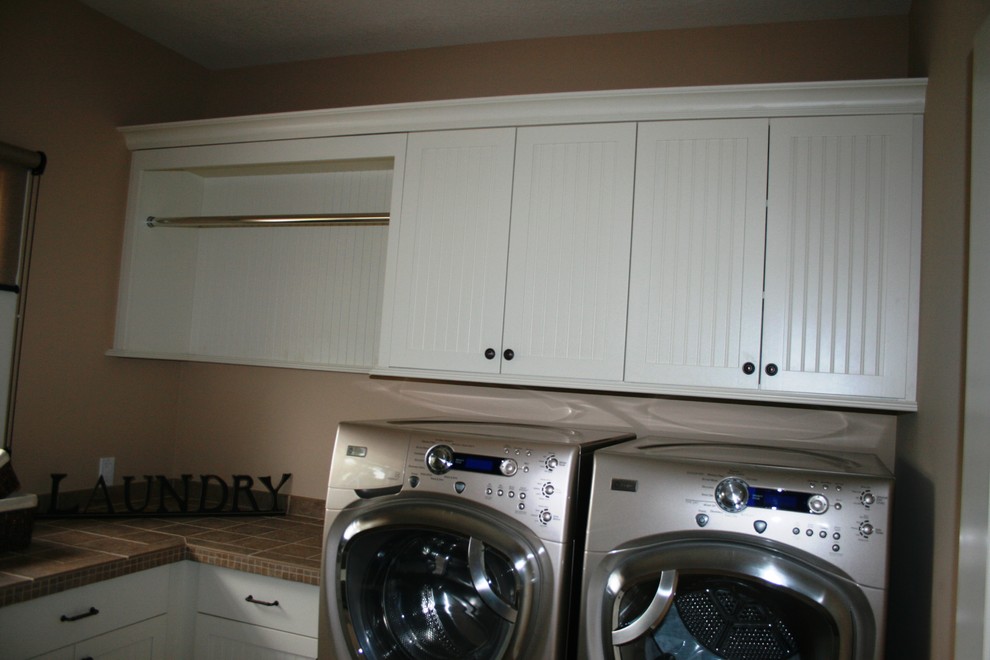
[
  {"x": 721, "y": 618},
  {"x": 426, "y": 595}
]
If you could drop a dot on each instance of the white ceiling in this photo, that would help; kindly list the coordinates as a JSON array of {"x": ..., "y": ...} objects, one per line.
[{"x": 221, "y": 34}]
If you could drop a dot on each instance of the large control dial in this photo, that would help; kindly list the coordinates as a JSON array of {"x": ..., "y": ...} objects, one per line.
[
  {"x": 439, "y": 459},
  {"x": 732, "y": 494}
]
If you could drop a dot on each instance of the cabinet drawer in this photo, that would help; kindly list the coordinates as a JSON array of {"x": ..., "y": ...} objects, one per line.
[
  {"x": 113, "y": 603},
  {"x": 224, "y": 592},
  {"x": 220, "y": 638}
]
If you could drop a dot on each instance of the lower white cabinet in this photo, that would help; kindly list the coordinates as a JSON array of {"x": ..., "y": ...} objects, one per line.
[
  {"x": 184, "y": 610},
  {"x": 125, "y": 617},
  {"x": 242, "y": 615}
]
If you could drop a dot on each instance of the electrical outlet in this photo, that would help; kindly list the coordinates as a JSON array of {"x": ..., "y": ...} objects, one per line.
[{"x": 106, "y": 470}]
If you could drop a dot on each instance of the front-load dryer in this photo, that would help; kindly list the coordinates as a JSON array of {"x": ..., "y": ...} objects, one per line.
[
  {"x": 453, "y": 539},
  {"x": 729, "y": 551}
]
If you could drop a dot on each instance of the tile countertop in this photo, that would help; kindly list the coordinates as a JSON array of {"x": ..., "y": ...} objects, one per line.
[{"x": 70, "y": 552}]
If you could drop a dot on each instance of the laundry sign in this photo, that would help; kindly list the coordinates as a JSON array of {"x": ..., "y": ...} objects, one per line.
[{"x": 159, "y": 495}]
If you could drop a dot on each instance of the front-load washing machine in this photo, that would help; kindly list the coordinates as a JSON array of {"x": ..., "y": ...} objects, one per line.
[
  {"x": 454, "y": 539},
  {"x": 708, "y": 550}
]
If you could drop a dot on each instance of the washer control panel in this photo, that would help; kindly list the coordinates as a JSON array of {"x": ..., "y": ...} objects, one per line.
[{"x": 528, "y": 481}]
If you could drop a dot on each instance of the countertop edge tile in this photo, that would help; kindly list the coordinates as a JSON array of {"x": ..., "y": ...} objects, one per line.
[{"x": 131, "y": 557}]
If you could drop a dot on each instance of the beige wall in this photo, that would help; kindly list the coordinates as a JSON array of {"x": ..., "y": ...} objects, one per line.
[
  {"x": 926, "y": 525},
  {"x": 823, "y": 50},
  {"x": 70, "y": 77}
]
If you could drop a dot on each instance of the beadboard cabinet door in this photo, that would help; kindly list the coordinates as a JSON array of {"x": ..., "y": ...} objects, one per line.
[
  {"x": 843, "y": 234},
  {"x": 548, "y": 303},
  {"x": 696, "y": 280},
  {"x": 451, "y": 255},
  {"x": 567, "y": 283}
]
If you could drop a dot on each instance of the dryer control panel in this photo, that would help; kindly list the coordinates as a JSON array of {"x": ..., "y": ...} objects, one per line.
[
  {"x": 528, "y": 481},
  {"x": 841, "y": 516}
]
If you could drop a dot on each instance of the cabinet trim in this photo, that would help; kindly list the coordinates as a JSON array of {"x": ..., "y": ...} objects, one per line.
[{"x": 897, "y": 96}]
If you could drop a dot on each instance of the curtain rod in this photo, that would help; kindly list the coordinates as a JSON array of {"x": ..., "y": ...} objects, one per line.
[
  {"x": 32, "y": 160},
  {"x": 328, "y": 219}
]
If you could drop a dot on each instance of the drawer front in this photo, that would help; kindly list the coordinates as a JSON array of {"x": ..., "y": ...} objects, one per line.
[
  {"x": 225, "y": 593},
  {"x": 36, "y": 626},
  {"x": 220, "y": 639}
]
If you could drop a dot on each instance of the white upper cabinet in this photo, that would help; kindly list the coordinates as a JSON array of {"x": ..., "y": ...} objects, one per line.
[
  {"x": 696, "y": 281},
  {"x": 843, "y": 230},
  {"x": 782, "y": 268},
  {"x": 752, "y": 242},
  {"x": 452, "y": 245},
  {"x": 513, "y": 251},
  {"x": 287, "y": 296}
]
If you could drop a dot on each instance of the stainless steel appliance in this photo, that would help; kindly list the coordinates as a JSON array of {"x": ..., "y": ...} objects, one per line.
[
  {"x": 453, "y": 539},
  {"x": 714, "y": 550}
]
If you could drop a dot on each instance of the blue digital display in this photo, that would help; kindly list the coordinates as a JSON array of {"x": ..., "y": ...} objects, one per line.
[
  {"x": 781, "y": 500},
  {"x": 474, "y": 463}
]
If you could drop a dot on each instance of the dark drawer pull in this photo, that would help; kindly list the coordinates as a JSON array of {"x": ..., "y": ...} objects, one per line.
[
  {"x": 92, "y": 612},
  {"x": 252, "y": 599}
]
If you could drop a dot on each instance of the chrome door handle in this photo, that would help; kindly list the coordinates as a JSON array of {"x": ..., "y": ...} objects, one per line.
[
  {"x": 653, "y": 613},
  {"x": 476, "y": 564}
]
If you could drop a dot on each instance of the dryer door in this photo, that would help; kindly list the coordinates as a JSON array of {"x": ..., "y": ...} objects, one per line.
[
  {"x": 707, "y": 600},
  {"x": 430, "y": 581}
]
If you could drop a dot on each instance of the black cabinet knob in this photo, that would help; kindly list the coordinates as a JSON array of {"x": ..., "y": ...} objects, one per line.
[
  {"x": 771, "y": 369},
  {"x": 490, "y": 353},
  {"x": 749, "y": 368},
  {"x": 509, "y": 354}
]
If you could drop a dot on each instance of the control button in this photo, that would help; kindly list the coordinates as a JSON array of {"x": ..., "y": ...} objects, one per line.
[
  {"x": 810, "y": 532},
  {"x": 529, "y": 452},
  {"x": 552, "y": 462},
  {"x": 522, "y": 496},
  {"x": 760, "y": 526},
  {"x": 701, "y": 519},
  {"x": 837, "y": 506},
  {"x": 818, "y": 504},
  {"x": 512, "y": 494},
  {"x": 508, "y": 467},
  {"x": 522, "y": 506},
  {"x": 824, "y": 486},
  {"x": 838, "y": 487},
  {"x": 500, "y": 492},
  {"x": 732, "y": 494},
  {"x": 413, "y": 481},
  {"x": 823, "y": 534},
  {"x": 545, "y": 516},
  {"x": 795, "y": 531},
  {"x": 866, "y": 529},
  {"x": 506, "y": 450},
  {"x": 459, "y": 487},
  {"x": 518, "y": 451},
  {"x": 868, "y": 498},
  {"x": 440, "y": 459},
  {"x": 549, "y": 490},
  {"x": 525, "y": 468},
  {"x": 488, "y": 491},
  {"x": 836, "y": 536},
  {"x": 835, "y": 548}
]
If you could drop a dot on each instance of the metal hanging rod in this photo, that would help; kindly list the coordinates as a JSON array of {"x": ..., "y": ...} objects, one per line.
[{"x": 327, "y": 219}]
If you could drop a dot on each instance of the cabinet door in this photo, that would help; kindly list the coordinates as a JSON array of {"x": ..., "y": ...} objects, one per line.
[
  {"x": 218, "y": 639},
  {"x": 140, "y": 641},
  {"x": 841, "y": 225},
  {"x": 451, "y": 256},
  {"x": 696, "y": 279},
  {"x": 567, "y": 285}
]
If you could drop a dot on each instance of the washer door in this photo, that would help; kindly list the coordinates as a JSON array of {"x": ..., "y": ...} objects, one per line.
[
  {"x": 707, "y": 600},
  {"x": 428, "y": 581}
]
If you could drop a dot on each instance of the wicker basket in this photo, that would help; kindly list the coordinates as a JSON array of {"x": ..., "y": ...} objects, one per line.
[
  {"x": 17, "y": 521},
  {"x": 8, "y": 480}
]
